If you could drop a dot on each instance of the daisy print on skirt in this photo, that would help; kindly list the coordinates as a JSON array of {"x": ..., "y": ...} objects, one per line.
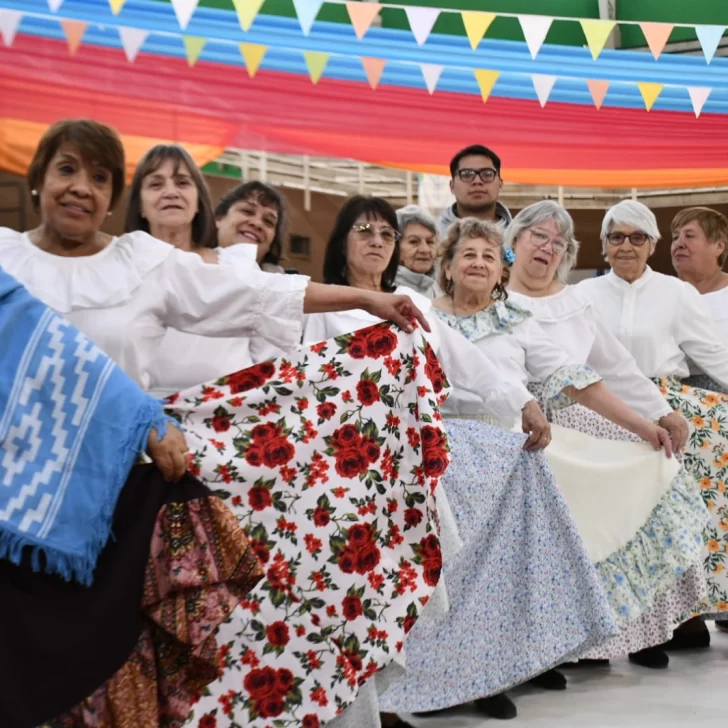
[{"x": 330, "y": 461}]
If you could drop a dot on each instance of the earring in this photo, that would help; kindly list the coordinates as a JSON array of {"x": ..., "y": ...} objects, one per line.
[
  {"x": 108, "y": 214},
  {"x": 34, "y": 193}
]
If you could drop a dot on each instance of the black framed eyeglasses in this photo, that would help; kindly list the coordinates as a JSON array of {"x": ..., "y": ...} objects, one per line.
[
  {"x": 366, "y": 231},
  {"x": 486, "y": 174},
  {"x": 637, "y": 239}
]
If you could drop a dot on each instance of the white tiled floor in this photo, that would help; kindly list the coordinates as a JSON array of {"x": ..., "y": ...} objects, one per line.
[{"x": 691, "y": 693}]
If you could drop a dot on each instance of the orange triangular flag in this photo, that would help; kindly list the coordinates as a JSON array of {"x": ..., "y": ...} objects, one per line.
[
  {"x": 74, "y": 30},
  {"x": 598, "y": 90},
  {"x": 657, "y": 35},
  {"x": 650, "y": 92},
  {"x": 362, "y": 16},
  {"x": 373, "y": 67}
]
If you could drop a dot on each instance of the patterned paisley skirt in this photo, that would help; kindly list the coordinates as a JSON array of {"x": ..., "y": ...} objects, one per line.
[
  {"x": 706, "y": 458},
  {"x": 523, "y": 593},
  {"x": 330, "y": 460},
  {"x": 653, "y": 577}
]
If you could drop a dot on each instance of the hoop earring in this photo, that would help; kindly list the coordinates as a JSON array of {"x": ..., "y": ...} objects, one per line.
[{"x": 34, "y": 193}]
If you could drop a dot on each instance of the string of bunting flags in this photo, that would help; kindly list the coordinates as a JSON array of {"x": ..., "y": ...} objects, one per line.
[
  {"x": 476, "y": 23},
  {"x": 362, "y": 14}
]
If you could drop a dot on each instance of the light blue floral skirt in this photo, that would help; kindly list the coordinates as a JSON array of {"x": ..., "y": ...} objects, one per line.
[{"x": 523, "y": 594}]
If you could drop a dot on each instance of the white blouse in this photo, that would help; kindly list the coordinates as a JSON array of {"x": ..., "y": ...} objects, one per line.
[
  {"x": 571, "y": 321},
  {"x": 479, "y": 388},
  {"x": 662, "y": 321},
  {"x": 717, "y": 303},
  {"x": 125, "y": 297}
]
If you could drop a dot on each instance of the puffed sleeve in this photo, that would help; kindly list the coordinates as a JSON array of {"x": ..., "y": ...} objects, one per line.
[
  {"x": 696, "y": 335},
  {"x": 228, "y": 300},
  {"x": 620, "y": 372}
]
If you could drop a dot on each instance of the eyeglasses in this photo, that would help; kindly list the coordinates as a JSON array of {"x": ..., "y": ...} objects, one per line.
[
  {"x": 487, "y": 174},
  {"x": 637, "y": 239},
  {"x": 541, "y": 240},
  {"x": 368, "y": 232}
]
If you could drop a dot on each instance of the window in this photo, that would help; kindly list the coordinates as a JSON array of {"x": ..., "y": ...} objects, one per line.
[{"x": 299, "y": 246}]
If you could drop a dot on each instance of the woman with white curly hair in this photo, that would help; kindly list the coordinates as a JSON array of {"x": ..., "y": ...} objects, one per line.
[
  {"x": 417, "y": 251},
  {"x": 545, "y": 251},
  {"x": 664, "y": 322}
]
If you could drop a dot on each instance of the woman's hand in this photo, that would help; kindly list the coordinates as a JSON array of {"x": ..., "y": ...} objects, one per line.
[
  {"x": 655, "y": 435},
  {"x": 398, "y": 309},
  {"x": 169, "y": 454},
  {"x": 535, "y": 424},
  {"x": 677, "y": 427}
]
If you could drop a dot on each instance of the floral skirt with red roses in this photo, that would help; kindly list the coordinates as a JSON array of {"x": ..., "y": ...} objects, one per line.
[{"x": 330, "y": 460}]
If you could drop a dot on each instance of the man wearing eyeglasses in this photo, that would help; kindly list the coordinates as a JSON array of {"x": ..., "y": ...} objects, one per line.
[{"x": 476, "y": 184}]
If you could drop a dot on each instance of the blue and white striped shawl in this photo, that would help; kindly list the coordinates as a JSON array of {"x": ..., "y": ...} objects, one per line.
[{"x": 71, "y": 426}]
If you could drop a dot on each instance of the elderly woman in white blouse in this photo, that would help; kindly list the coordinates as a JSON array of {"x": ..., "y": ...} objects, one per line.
[
  {"x": 417, "y": 251},
  {"x": 664, "y": 323}
]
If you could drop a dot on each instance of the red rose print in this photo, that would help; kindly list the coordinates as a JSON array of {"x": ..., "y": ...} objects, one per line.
[
  {"x": 381, "y": 341},
  {"x": 260, "y": 682},
  {"x": 221, "y": 423},
  {"x": 265, "y": 432},
  {"x": 345, "y": 437},
  {"x": 277, "y": 634},
  {"x": 351, "y": 608},
  {"x": 278, "y": 452},
  {"x": 259, "y": 498},
  {"x": 310, "y": 721},
  {"x": 326, "y": 410},
  {"x": 321, "y": 517},
  {"x": 371, "y": 450},
  {"x": 359, "y": 533},
  {"x": 270, "y": 707},
  {"x": 429, "y": 546},
  {"x": 260, "y": 550},
  {"x": 347, "y": 560},
  {"x": 284, "y": 681},
  {"x": 357, "y": 348},
  {"x": 353, "y": 659},
  {"x": 207, "y": 721},
  {"x": 367, "y": 558},
  {"x": 244, "y": 381},
  {"x": 350, "y": 463},
  {"x": 433, "y": 567},
  {"x": 368, "y": 392},
  {"x": 435, "y": 461},
  {"x": 413, "y": 517},
  {"x": 432, "y": 437},
  {"x": 409, "y": 622},
  {"x": 254, "y": 456}
]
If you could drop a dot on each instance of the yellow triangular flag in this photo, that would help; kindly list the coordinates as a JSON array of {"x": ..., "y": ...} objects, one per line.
[
  {"x": 252, "y": 55},
  {"x": 116, "y": 6},
  {"x": 74, "y": 30},
  {"x": 597, "y": 33},
  {"x": 476, "y": 25},
  {"x": 247, "y": 11},
  {"x": 650, "y": 92},
  {"x": 193, "y": 48},
  {"x": 316, "y": 62},
  {"x": 486, "y": 80}
]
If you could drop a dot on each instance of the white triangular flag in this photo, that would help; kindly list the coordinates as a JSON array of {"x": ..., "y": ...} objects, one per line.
[
  {"x": 421, "y": 21},
  {"x": 132, "y": 39},
  {"x": 184, "y": 9},
  {"x": 535, "y": 29},
  {"x": 54, "y": 5},
  {"x": 9, "y": 22},
  {"x": 698, "y": 95},
  {"x": 432, "y": 73},
  {"x": 307, "y": 10},
  {"x": 709, "y": 37},
  {"x": 543, "y": 84}
]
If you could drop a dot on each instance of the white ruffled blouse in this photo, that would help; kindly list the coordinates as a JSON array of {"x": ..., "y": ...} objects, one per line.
[
  {"x": 128, "y": 295},
  {"x": 717, "y": 303},
  {"x": 571, "y": 321}
]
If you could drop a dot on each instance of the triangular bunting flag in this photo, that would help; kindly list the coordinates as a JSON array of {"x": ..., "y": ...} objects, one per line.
[
  {"x": 307, "y": 10},
  {"x": 362, "y": 16},
  {"x": 421, "y": 21},
  {"x": 247, "y": 11},
  {"x": 74, "y": 30},
  {"x": 431, "y": 73},
  {"x": 597, "y": 33},
  {"x": 184, "y": 9},
  {"x": 650, "y": 92},
  {"x": 373, "y": 67},
  {"x": 55, "y": 5},
  {"x": 598, "y": 90},
  {"x": 698, "y": 95},
  {"x": 116, "y": 6},
  {"x": 252, "y": 55},
  {"x": 9, "y": 22},
  {"x": 132, "y": 39},
  {"x": 656, "y": 35},
  {"x": 709, "y": 37},
  {"x": 476, "y": 25},
  {"x": 316, "y": 62},
  {"x": 486, "y": 80},
  {"x": 535, "y": 29},
  {"x": 193, "y": 48},
  {"x": 543, "y": 84}
]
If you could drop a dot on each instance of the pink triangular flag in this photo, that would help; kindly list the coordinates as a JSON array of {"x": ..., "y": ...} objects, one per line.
[
  {"x": 421, "y": 21},
  {"x": 656, "y": 35},
  {"x": 132, "y": 39},
  {"x": 432, "y": 73},
  {"x": 74, "y": 30},
  {"x": 373, "y": 67},
  {"x": 535, "y": 29},
  {"x": 543, "y": 84},
  {"x": 362, "y": 16},
  {"x": 698, "y": 95},
  {"x": 9, "y": 22},
  {"x": 184, "y": 10},
  {"x": 598, "y": 90}
]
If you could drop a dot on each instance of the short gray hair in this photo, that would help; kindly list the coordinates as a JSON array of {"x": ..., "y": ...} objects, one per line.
[
  {"x": 632, "y": 213},
  {"x": 539, "y": 213},
  {"x": 415, "y": 215}
]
